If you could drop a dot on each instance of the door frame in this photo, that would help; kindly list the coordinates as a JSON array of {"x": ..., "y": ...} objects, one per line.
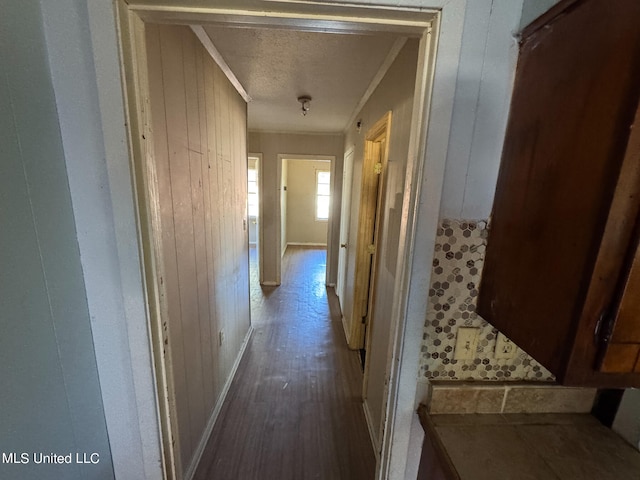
[
  {"x": 433, "y": 100},
  {"x": 372, "y": 187},
  {"x": 372, "y": 206},
  {"x": 282, "y": 157}
]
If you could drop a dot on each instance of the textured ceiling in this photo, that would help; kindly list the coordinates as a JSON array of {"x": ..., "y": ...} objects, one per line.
[{"x": 277, "y": 66}]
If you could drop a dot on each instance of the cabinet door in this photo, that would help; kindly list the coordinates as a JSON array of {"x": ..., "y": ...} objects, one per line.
[
  {"x": 575, "y": 95},
  {"x": 612, "y": 301},
  {"x": 622, "y": 349}
]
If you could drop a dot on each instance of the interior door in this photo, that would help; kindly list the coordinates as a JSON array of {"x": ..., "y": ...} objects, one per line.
[
  {"x": 345, "y": 216},
  {"x": 622, "y": 354},
  {"x": 373, "y": 165},
  {"x": 618, "y": 329}
]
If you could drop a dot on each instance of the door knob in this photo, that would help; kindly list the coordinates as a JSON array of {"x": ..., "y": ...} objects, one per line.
[{"x": 343, "y": 245}]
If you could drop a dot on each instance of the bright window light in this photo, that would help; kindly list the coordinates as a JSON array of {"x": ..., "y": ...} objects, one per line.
[
  {"x": 252, "y": 190},
  {"x": 323, "y": 194}
]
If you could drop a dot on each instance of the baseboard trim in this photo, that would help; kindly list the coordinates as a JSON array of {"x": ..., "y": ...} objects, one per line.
[
  {"x": 306, "y": 244},
  {"x": 216, "y": 411},
  {"x": 374, "y": 442}
]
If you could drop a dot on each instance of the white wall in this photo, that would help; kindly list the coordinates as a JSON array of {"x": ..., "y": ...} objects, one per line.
[
  {"x": 302, "y": 225},
  {"x": 532, "y": 9},
  {"x": 52, "y": 394},
  {"x": 483, "y": 91},
  {"x": 627, "y": 421},
  {"x": 85, "y": 68}
]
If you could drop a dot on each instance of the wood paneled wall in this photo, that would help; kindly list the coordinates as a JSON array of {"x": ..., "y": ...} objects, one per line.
[{"x": 199, "y": 132}]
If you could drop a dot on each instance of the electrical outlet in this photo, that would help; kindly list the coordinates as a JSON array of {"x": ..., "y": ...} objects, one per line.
[
  {"x": 466, "y": 343},
  {"x": 505, "y": 348},
  {"x": 220, "y": 337}
]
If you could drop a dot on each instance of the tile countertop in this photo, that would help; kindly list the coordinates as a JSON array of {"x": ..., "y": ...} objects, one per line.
[{"x": 527, "y": 447}]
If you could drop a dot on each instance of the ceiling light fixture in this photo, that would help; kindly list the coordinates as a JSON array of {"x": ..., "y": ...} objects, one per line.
[{"x": 306, "y": 104}]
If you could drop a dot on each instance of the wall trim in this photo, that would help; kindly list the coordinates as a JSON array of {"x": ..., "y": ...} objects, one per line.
[
  {"x": 220, "y": 61},
  {"x": 285, "y": 132},
  {"x": 306, "y": 244},
  {"x": 377, "y": 78}
]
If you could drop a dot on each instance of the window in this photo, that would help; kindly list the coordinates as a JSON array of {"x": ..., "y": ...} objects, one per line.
[
  {"x": 252, "y": 191},
  {"x": 323, "y": 190}
]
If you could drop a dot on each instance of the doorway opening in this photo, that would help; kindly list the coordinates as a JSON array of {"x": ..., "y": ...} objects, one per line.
[
  {"x": 374, "y": 172},
  {"x": 306, "y": 187},
  {"x": 132, "y": 22},
  {"x": 253, "y": 221},
  {"x": 371, "y": 195}
]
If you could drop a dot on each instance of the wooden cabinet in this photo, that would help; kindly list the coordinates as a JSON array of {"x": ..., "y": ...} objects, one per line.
[{"x": 562, "y": 269}]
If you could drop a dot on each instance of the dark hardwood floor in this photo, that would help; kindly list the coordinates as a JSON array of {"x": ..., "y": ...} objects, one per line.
[{"x": 294, "y": 409}]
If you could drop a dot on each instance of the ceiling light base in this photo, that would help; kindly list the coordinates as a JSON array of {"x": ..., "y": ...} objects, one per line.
[{"x": 305, "y": 101}]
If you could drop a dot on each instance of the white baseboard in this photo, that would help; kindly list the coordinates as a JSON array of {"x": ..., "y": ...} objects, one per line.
[
  {"x": 306, "y": 244},
  {"x": 216, "y": 411},
  {"x": 372, "y": 435}
]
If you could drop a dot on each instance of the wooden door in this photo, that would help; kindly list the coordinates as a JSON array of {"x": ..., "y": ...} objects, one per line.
[
  {"x": 373, "y": 167},
  {"x": 618, "y": 328}
]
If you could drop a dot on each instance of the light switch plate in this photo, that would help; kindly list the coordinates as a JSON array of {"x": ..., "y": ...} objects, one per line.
[{"x": 466, "y": 343}]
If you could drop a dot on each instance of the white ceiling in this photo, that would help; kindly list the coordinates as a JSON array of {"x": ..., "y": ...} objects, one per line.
[{"x": 275, "y": 67}]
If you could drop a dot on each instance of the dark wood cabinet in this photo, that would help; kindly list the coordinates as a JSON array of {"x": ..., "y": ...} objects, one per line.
[{"x": 562, "y": 269}]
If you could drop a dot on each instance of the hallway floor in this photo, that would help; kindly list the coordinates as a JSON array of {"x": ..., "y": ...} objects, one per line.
[{"x": 294, "y": 408}]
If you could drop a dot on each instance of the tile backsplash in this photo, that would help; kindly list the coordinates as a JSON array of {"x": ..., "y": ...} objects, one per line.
[
  {"x": 508, "y": 398},
  {"x": 457, "y": 268}
]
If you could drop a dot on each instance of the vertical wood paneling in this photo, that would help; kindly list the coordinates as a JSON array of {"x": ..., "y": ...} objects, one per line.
[
  {"x": 199, "y": 126},
  {"x": 169, "y": 276},
  {"x": 179, "y": 178},
  {"x": 206, "y": 337},
  {"x": 214, "y": 208},
  {"x": 195, "y": 159}
]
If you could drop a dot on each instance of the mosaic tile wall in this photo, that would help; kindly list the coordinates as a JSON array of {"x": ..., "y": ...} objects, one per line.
[{"x": 457, "y": 268}]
